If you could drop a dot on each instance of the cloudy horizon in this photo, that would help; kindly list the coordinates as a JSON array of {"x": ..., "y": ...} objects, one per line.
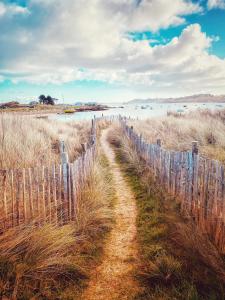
[{"x": 111, "y": 51}]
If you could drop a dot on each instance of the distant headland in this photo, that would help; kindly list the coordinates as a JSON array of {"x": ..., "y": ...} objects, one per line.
[{"x": 200, "y": 98}]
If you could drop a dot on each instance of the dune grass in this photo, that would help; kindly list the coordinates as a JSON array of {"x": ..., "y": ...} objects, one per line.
[
  {"x": 176, "y": 260},
  {"x": 52, "y": 262},
  {"x": 26, "y": 141},
  {"x": 178, "y": 131}
]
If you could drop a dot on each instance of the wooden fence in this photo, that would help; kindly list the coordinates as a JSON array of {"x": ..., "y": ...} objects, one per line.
[
  {"x": 197, "y": 182},
  {"x": 51, "y": 193},
  {"x": 45, "y": 193}
]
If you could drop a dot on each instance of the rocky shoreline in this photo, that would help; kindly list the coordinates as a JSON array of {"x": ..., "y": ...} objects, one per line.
[{"x": 56, "y": 109}]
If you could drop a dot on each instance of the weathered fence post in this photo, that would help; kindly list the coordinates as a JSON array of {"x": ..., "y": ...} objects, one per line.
[
  {"x": 194, "y": 175},
  {"x": 84, "y": 147},
  {"x": 130, "y": 132},
  {"x": 140, "y": 143},
  {"x": 158, "y": 142},
  {"x": 159, "y": 163},
  {"x": 65, "y": 161},
  {"x": 93, "y": 132},
  {"x": 62, "y": 147},
  {"x": 194, "y": 148}
]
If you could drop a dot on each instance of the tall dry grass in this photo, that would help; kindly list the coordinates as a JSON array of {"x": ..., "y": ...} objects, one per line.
[
  {"x": 26, "y": 141},
  {"x": 176, "y": 260},
  {"x": 54, "y": 262},
  {"x": 178, "y": 131}
]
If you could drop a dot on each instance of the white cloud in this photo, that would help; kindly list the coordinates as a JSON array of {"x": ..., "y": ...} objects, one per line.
[
  {"x": 11, "y": 9},
  {"x": 62, "y": 41},
  {"x": 2, "y": 9},
  {"x": 161, "y": 14},
  {"x": 216, "y": 4}
]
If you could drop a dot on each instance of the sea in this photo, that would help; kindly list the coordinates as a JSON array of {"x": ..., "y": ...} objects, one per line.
[{"x": 139, "y": 111}]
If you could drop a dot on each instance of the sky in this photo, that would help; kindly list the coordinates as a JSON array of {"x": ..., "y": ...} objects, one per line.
[{"x": 111, "y": 51}]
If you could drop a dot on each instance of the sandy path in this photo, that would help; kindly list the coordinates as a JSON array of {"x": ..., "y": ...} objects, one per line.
[{"x": 112, "y": 279}]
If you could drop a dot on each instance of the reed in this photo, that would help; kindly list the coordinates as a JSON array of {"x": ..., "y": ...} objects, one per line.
[
  {"x": 27, "y": 141},
  {"x": 176, "y": 260},
  {"x": 52, "y": 262},
  {"x": 178, "y": 131}
]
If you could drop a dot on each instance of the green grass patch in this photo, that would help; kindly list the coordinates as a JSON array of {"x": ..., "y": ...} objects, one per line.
[{"x": 175, "y": 261}]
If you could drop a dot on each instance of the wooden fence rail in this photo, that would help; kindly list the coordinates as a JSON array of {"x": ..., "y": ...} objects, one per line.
[
  {"x": 45, "y": 193},
  {"x": 52, "y": 193},
  {"x": 197, "y": 182}
]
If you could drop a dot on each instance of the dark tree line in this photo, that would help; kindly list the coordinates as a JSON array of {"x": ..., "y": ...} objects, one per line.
[{"x": 47, "y": 100}]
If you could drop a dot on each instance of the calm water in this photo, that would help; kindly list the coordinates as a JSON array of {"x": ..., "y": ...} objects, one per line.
[{"x": 140, "y": 111}]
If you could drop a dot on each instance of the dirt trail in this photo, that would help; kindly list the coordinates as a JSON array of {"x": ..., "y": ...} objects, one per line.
[{"x": 112, "y": 280}]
